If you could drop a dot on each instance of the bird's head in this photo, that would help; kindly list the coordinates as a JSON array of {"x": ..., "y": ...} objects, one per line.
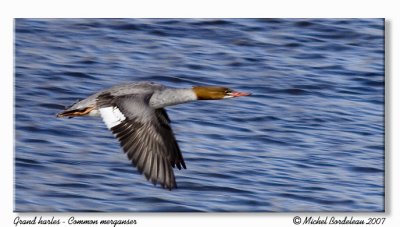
[{"x": 213, "y": 92}]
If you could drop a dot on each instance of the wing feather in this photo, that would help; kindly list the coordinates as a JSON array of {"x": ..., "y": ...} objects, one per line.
[{"x": 145, "y": 136}]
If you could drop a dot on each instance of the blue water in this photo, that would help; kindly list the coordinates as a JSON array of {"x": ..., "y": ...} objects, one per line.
[{"x": 310, "y": 138}]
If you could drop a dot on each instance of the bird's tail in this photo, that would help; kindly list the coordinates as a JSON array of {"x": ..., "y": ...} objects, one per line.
[{"x": 75, "y": 112}]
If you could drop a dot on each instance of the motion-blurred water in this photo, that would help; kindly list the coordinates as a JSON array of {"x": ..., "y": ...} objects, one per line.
[{"x": 311, "y": 138}]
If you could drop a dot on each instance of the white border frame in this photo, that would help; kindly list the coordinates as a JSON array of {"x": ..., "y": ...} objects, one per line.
[{"x": 200, "y": 9}]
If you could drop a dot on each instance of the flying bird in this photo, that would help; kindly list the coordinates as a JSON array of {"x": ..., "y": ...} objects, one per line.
[{"x": 135, "y": 114}]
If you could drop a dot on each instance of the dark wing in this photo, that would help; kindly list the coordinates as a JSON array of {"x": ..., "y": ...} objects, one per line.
[{"x": 145, "y": 136}]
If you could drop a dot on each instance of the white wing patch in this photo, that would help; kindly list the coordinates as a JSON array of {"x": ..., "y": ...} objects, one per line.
[{"x": 112, "y": 116}]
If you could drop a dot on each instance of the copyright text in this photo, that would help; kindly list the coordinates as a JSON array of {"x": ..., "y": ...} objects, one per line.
[{"x": 332, "y": 220}]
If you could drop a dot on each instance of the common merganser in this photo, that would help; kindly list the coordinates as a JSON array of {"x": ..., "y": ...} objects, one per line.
[{"x": 136, "y": 116}]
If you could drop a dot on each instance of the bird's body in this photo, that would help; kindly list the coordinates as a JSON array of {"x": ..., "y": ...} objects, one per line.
[{"x": 135, "y": 114}]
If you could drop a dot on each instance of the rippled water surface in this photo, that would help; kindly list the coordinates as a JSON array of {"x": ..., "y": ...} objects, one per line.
[{"x": 310, "y": 138}]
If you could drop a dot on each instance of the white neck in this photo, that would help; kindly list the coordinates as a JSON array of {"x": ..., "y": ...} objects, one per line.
[{"x": 172, "y": 96}]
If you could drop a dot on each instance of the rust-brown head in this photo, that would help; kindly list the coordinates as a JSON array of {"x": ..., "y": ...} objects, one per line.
[{"x": 213, "y": 92}]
